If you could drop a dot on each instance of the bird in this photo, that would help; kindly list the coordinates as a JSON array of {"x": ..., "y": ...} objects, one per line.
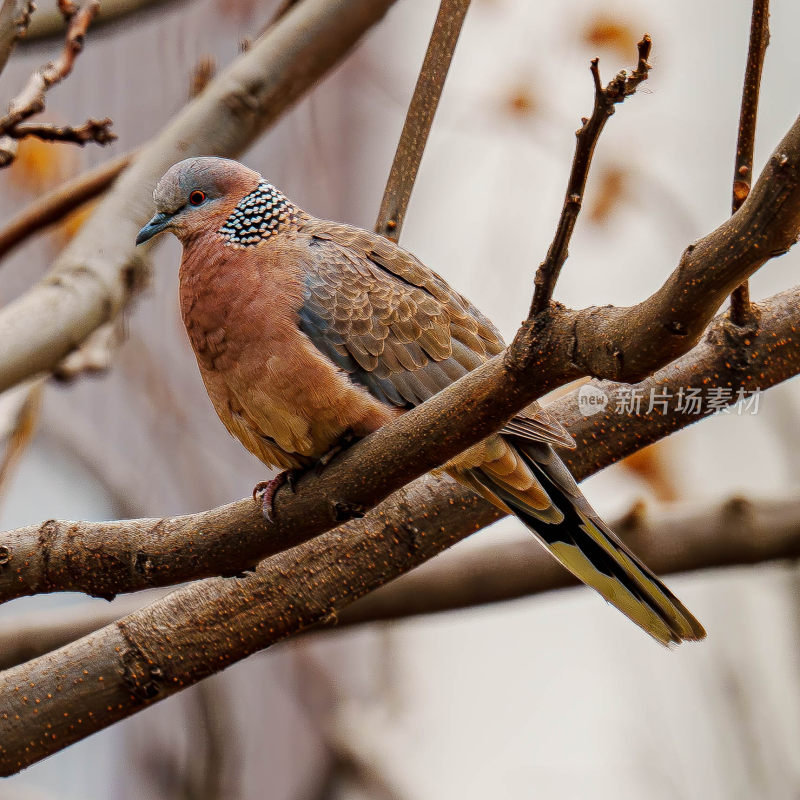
[{"x": 310, "y": 334}]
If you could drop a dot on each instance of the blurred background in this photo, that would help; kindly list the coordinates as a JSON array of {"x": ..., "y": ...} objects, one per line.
[{"x": 549, "y": 697}]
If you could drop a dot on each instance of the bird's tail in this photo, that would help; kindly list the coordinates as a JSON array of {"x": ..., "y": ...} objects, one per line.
[{"x": 584, "y": 544}]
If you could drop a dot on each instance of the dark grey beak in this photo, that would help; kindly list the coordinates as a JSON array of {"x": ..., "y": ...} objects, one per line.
[{"x": 159, "y": 223}]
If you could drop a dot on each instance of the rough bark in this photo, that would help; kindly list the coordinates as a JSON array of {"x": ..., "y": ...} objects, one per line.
[{"x": 736, "y": 532}]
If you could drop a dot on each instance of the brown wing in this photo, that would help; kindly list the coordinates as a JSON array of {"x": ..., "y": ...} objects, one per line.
[
  {"x": 393, "y": 325},
  {"x": 396, "y": 327}
]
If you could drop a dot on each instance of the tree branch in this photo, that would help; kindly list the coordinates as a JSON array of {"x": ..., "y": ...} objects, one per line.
[
  {"x": 620, "y": 343},
  {"x": 93, "y": 130},
  {"x": 57, "y": 204},
  {"x": 671, "y": 539},
  {"x": 605, "y": 99},
  {"x": 95, "y": 276},
  {"x": 745, "y": 144},
  {"x": 202, "y": 628},
  {"x": 421, "y": 110},
  {"x": 31, "y": 100}
]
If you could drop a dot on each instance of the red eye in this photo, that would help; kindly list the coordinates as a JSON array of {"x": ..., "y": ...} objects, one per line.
[{"x": 197, "y": 197}]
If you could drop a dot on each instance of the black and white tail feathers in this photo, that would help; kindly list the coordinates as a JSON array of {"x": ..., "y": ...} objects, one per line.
[{"x": 584, "y": 544}]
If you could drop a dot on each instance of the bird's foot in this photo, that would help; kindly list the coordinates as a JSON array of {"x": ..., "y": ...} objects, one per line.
[
  {"x": 266, "y": 491},
  {"x": 345, "y": 440}
]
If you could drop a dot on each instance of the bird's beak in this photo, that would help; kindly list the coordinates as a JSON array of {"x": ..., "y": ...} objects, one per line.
[{"x": 160, "y": 222}]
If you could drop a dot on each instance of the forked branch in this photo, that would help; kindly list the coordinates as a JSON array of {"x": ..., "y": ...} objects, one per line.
[
  {"x": 31, "y": 100},
  {"x": 605, "y": 99}
]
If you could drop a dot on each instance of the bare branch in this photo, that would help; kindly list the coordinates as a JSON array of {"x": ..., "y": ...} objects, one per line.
[
  {"x": 94, "y": 354},
  {"x": 54, "y": 206},
  {"x": 745, "y": 144},
  {"x": 8, "y": 150},
  {"x": 605, "y": 99},
  {"x": 106, "y": 558},
  {"x": 91, "y": 280},
  {"x": 15, "y": 16},
  {"x": 671, "y": 539},
  {"x": 202, "y": 628},
  {"x": 93, "y": 130},
  {"x": 31, "y": 100},
  {"x": 419, "y": 118},
  {"x": 283, "y": 7}
]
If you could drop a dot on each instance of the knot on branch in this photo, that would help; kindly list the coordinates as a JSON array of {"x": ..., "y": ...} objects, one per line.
[
  {"x": 142, "y": 679},
  {"x": 344, "y": 511},
  {"x": 741, "y": 341},
  {"x": 532, "y": 343},
  {"x": 48, "y": 533},
  {"x": 409, "y": 535}
]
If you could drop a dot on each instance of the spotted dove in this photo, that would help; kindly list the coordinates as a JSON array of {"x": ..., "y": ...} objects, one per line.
[{"x": 307, "y": 332}]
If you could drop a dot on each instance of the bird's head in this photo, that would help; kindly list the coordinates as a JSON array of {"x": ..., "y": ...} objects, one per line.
[{"x": 197, "y": 195}]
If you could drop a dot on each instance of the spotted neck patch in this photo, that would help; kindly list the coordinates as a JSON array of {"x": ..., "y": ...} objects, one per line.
[{"x": 259, "y": 215}]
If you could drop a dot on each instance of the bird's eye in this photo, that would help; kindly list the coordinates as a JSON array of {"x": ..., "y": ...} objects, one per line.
[{"x": 197, "y": 197}]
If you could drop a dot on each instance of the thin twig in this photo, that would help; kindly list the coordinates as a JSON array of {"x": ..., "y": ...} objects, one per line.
[
  {"x": 48, "y": 23},
  {"x": 54, "y": 206},
  {"x": 31, "y": 99},
  {"x": 419, "y": 118},
  {"x": 745, "y": 144},
  {"x": 93, "y": 130},
  {"x": 587, "y": 135}
]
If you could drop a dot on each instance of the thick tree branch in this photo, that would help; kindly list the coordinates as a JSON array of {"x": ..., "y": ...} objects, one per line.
[
  {"x": 204, "y": 627},
  {"x": 57, "y": 204},
  {"x": 605, "y": 99},
  {"x": 92, "y": 279},
  {"x": 105, "y": 558},
  {"x": 619, "y": 343},
  {"x": 745, "y": 143},
  {"x": 672, "y": 539},
  {"x": 417, "y": 125}
]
